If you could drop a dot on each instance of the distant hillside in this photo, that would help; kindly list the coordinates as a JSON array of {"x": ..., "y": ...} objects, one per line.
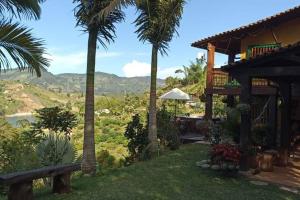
[
  {"x": 16, "y": 97},
  {"x": 108, "y": 84}
]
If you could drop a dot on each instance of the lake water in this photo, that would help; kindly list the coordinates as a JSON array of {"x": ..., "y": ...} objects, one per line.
[{"x": 13, "y": 120}]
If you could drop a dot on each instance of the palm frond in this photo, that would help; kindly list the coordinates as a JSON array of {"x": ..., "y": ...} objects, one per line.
[
  {"x": 18, "y": 46},
  {"x": 88, "y": 14},
  {"x": 158, "y": 21},
  {"x": 115, "y": 5},
  {"x": 29, "y": 9}
]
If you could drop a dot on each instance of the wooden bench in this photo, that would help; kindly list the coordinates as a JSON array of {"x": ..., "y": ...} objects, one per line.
[{"x": 20, "y": 183}]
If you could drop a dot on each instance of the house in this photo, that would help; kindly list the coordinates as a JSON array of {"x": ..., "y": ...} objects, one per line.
[{"x": 264, "y": 58}]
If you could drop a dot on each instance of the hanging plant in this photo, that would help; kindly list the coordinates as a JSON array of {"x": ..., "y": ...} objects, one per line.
[{"x": 243, "y": 108}]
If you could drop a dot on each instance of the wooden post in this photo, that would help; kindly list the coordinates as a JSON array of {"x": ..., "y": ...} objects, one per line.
[
  {"x": 20, "y": 191},
  {"x": 61, "y": 183},
  {"x": 230, "y": 98},
  {"x": 209, "y": 81},
  {"x": 285, "y": 127},
  {"x": 273, "y": 119},
  {"x": 245, "y": 129}
]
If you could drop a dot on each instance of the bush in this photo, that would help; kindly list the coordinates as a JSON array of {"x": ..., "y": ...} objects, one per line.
[
  {"x": 225, "y": 157},
  {"x": 231, "y": 125},
  {"x": 105, "y": 160},
  {"x": 215, "y": 135},
  {"x": 16, "y": 149},
  {"x": 261, "y": 135},
  {"x": 54, "y": 150},
  {"x": 167, "y": 131},
  {"x": 138, "y": 141}
]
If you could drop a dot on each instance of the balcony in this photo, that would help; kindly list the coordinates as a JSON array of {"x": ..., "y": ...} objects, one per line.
[{"x": 225, "y": 85}]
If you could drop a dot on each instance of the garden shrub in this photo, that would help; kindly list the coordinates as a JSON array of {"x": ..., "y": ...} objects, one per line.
[
  {"x": 138, "y": 141},
  {"x": 225, "y": 157},
  {"x": 261, "y": 136},
  {"x": 55, "y": 124},
  {"x": 54, "y": 150},
  {"x": 105, "y": 160},
  {"x": 231, "y": 125},
  {"x": 16, "y": 148},
  {"x": 167, "y": 131}
]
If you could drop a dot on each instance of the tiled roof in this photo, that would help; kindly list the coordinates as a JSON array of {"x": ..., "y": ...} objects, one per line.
[
  {"x": 275, "y": 53},
  {"x": 239, "y": 32}
]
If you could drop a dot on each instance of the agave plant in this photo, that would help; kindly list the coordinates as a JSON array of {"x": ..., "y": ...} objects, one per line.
[{"x": 54, "y": 150}]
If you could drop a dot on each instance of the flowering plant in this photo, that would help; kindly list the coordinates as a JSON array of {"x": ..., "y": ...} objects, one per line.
[{"x": 225, "y": 153}]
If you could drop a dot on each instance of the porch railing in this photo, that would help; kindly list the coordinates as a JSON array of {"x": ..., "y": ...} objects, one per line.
[{"x": 222, "y": 80}]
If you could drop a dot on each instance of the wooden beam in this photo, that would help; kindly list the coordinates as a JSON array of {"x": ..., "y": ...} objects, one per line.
[
  {"x": 265, "y": 72},
  {"x": 273, "y": 119},
  {"x": 209, "y": 80},
  {"x": 230, "y": 98},
  {"x": 256, "y": 90},
  {"x": 285, "y": 127},
  {"x": 245, "y": 129}
]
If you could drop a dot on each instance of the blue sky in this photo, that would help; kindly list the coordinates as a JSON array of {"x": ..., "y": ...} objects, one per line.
[{"x": 67, "y": 44}]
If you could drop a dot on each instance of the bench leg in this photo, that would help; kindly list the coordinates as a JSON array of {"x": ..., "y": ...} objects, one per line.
[
  {"x": 20, "y": 191},
  {"x": 61, "y": 183}
]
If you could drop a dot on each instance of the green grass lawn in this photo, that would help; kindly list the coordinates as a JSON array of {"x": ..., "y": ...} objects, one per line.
[{"x": 171, "y": 176}]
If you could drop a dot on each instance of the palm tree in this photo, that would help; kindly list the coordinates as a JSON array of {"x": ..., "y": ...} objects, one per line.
[
  {"x": 99, "y": 28},
  {"x": 17, "y": 44},
  {"x": 156, "y": 23}
]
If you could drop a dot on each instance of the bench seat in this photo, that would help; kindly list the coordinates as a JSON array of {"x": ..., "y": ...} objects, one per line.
[{"x": 20, "y": 183}]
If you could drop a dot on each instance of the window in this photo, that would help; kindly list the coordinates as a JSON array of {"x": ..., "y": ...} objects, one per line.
[{"x": 255, "y": 50}]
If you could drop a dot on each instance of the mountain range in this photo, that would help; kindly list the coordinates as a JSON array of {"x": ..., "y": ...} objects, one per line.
[{"x": 105, "y": 84}]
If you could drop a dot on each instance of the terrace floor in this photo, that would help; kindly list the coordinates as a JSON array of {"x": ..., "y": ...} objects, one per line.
[{"x": 286, "y": 176}]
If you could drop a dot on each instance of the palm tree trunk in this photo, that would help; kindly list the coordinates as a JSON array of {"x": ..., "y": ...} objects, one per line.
[
  {"x": 152, "y": 107},
  {"x": 89, "y": 158}
]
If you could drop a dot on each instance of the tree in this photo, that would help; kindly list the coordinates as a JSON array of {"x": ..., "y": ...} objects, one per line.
[
  {"x": 101, "y": 28},
  {"x": 17, "y": 44},
  {"x": 194, "y": 73},
  {"x": 156, "y": 23}
]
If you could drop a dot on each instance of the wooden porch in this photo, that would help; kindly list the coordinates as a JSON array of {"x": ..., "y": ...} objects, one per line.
[
  {"x": 288, "y": 176},
  {"x": 282, "y": 68}
]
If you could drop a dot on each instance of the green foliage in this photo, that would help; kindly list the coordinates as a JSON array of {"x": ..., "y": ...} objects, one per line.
[
  {"x": 216, "y": 132},
  {"x": 261, "y": 135},
  {"x": 232, "y": 84},
  {"x": 54, "y": 150},
  {"x": 16, "y": 148},
  {"x": 232, "y": 124},
  {"x": 172, "y": 176},
  {"x": 195, "y": 73},
  {"x": 55, "y": 119},
  {"x": 138, "y": 141},
  {"x": 88, "y": 17},
  {"x": 106, "y": 160},
  {"x": 167, "y": 131},
  {"x": 158, "y": 21}
]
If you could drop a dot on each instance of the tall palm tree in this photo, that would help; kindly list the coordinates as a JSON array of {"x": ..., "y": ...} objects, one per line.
[
  {"x": 156, "y": 23},
  {"x": 101, "y": 28},
  {"x": 17, "y": 44}
]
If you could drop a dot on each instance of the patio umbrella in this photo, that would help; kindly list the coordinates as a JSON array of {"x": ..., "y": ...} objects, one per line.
[{"x": 175, "y": 94}]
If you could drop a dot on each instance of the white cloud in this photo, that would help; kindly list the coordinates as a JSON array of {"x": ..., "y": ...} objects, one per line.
[
  {"x": 137, "y": 68},
  {"x": 166, "y": 72},
  {"x": 74, "y": 62}
]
